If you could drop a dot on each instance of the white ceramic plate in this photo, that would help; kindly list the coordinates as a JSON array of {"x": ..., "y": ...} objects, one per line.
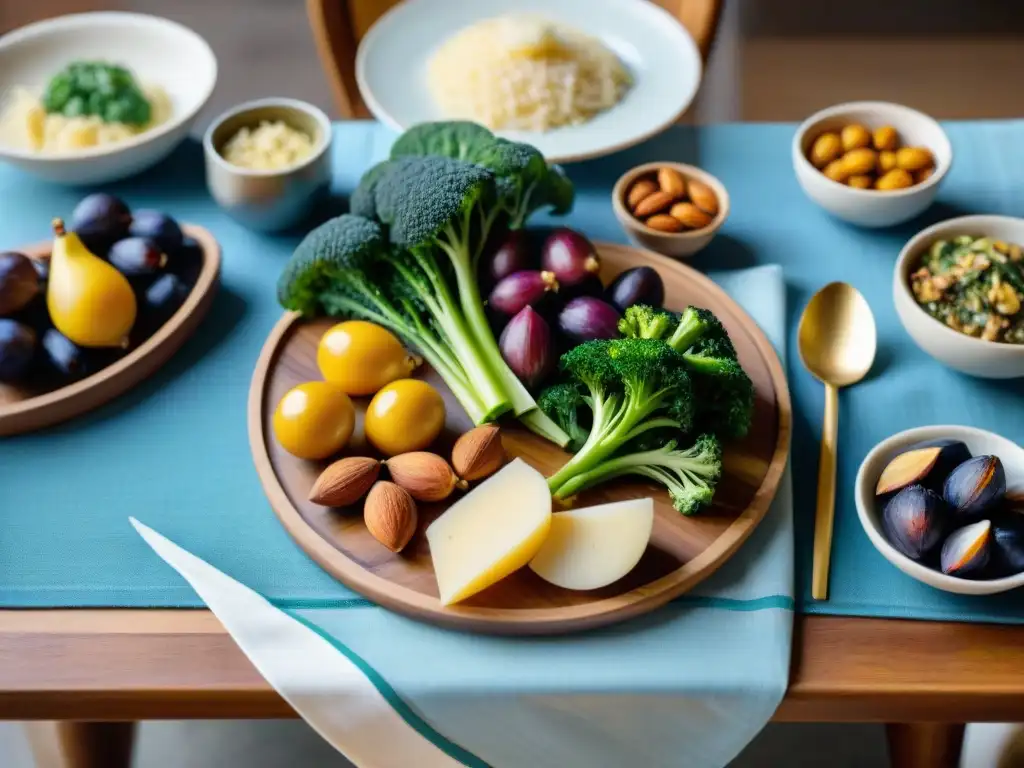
[
  {"x": 156, "y": 50},
  {"x": 391, "y": 67},
  {"x": 979, "y": 442}
]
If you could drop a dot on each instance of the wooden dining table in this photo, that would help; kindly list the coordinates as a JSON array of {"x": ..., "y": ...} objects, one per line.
[{"x": 98, "y": 671}]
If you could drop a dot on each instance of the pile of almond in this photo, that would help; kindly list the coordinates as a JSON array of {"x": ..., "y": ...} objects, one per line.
[
  {"x": 667, "y": 201},
  {"x": 389, "y": 510},
  {"x": 876, "y": 160}
]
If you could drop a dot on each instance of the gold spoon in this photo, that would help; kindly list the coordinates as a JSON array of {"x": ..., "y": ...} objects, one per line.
[{"x": 837, "y": 343}]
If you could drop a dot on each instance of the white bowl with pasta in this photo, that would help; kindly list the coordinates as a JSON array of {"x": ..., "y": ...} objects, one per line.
[
  {"x": 174, "y": 68},
  {"x": 577, "y": 79}
]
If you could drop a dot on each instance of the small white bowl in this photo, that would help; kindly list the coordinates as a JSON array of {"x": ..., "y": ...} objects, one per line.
[
  {"x": 979, "y": 442},
  {"x": 868, "y": 207},
  {"x": 977, "y": 357},
  {"x": 156, "y": 50},
  {"x": 269, "y": 200}
]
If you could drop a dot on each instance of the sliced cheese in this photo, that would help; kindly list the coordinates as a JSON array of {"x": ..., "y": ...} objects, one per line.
[
  {"x": 490, "y": 532},
  {"x": 592, "y": 547}
]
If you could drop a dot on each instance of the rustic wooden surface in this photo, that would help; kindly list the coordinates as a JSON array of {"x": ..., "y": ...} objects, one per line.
[
  {"x": 23, "y": 410},
  {"x": 339, "y": 25},
  {"x": 683, "y": 550},
  {"x": 165, "y": 664}
]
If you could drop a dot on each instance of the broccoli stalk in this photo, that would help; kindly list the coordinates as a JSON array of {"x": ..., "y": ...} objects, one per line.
[
  {"x": 690, "y": 475},
  {"x": 631, "y": 387}
]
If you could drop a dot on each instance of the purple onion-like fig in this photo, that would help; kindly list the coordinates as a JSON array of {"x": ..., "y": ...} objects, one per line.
[
  {"x": 512, "y": 254},
  {"x": 640, "y": 285},
  {"x": 526, "y": 288},
  {"x": 927, "y": 464},
  {"x": 967, "y": 550},
  {"x": 913, "y": 521},
  {"x": 527, "y": 347},
  {"x": 976, "y": 486},
  {"x": 586, "y": 318},
  {"x": 570, "y": 256},
  {"x": 1008, "y": 543}
]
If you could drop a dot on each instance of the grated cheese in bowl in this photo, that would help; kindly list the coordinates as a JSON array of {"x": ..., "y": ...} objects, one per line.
[
  {"x": 525, "y": 73},
  {"x": 270, "y": 146}
]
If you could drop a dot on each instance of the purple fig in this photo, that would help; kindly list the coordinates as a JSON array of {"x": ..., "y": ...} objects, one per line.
[
  {"x": 640, "y": 285},
  {"x": 570, "y": 256},
  {"x": 526, "y": 288},
  {"x": 527, "y": 347},
  {"x": 512, "y": 254},
  {"x": 586, "y": 318}
]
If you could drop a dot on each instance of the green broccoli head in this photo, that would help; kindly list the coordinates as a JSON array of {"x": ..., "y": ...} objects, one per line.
[
  {"x": 564, "y": 403},
  {"x": 361, "y": 203},
  {"x": 458, "y": 139},
  {"x": 697, "y": 324},
  {"x": 724, "y": 395},
  {"x": 335, "y": 255},
  {"x": 425, "y": 199},
  {"x": 590, "y": 364},
  {"x": 643, "y": 322},
  {"x": 655, "y": 379},
  {"x": 524, "y": 180}
]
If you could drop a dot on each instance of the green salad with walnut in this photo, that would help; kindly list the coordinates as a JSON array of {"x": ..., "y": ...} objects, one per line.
[{"x": 974, "y": 285}]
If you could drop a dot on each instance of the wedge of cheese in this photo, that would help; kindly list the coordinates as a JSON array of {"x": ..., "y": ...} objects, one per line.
[
  {"x": 592, "y": 547},
  {"x": 492, "y": 531}
]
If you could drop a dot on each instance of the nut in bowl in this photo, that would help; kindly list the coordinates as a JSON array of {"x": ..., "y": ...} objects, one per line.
[
  {"x": 671, "y": 208},
  {"x": 958, "y": 287},
  {"x": 268, "y": 162},
  {"x": 942, "y": 504},
  {"x": 871, "y": 163}
]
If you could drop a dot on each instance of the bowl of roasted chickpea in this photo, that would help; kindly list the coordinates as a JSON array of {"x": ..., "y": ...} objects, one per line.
[{"x": 871, "y": 163}]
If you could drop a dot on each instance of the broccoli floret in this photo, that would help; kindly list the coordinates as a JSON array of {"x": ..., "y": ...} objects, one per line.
[
  {"x": 564, "y": 403},
  {"x": 458, "y": 139},
  {"x": 690, "y": 475},
  {"x": 525, "y": 183},
  {"x": 361, "y": 203},
  {"x": 724, "y": 392},
  {"x": 643, "y": 322},
  {"x": 334, "y": 257},
  {"x": 630, "y": 386}
]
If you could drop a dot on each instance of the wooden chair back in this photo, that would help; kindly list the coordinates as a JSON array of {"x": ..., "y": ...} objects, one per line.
[{"x": 339, "y": 25}]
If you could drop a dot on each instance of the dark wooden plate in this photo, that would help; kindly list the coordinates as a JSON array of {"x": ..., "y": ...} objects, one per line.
[
  {"x": 23, "y": 409},
  {"x": 683, "y": 551}
]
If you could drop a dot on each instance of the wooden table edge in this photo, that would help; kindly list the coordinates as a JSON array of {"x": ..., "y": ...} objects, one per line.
[{"x": 180, "y": 664}]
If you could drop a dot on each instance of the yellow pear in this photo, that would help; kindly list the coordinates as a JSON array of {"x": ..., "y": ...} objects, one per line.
[{"x": 89, "y": 301}]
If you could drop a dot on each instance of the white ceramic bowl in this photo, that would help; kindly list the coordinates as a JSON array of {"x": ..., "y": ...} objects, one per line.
[
  {"x": 986, "y": 359},
  {"x": 391, "y": 67},
  {"x": 156, "y": 50},
  {"x": 979, "y": 442},
  {"x": 868, "y": 207}
]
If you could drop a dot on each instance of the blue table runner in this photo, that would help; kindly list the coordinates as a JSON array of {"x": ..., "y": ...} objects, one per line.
[{"x": 66, "y": 492}]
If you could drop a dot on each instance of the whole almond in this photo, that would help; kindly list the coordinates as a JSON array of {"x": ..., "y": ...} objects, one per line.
[
  {"x": 478, "y": 453},
  {"x": 704, "y": 197},
  {"x": 656, "y": 202},
  {"x": 390, "y": 515},
  {"x": 345, "y": 481},
  {"x": 640, "y": 189},
  {"x": 426, "y": 476},
  {"x": 671, "y": 182},
  {"x": 664, "y": 223},
  {"x": 689, "y": 215}
]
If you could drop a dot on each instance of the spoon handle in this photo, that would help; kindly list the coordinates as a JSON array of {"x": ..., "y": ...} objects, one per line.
[{"x": 826, "y": 495}]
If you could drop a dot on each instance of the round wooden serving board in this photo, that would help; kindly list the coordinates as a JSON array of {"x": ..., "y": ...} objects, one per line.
[
  {"x": 683, "y": 550},
  {"x": 24, "y": 410}
]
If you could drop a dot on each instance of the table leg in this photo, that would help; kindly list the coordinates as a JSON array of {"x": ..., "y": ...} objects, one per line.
[
  {"x": 924, "y": 745},
  {"x": 81, "y": 744}
]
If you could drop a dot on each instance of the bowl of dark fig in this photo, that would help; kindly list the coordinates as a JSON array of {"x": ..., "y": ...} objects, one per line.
[{"x": 945, "y": 505}]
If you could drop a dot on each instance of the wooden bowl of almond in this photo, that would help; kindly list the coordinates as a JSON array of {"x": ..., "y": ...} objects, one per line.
[{"x": 671, "y": 208}]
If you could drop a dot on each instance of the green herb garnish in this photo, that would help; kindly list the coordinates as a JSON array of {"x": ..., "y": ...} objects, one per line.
[{"x": 96, "y": 88}]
